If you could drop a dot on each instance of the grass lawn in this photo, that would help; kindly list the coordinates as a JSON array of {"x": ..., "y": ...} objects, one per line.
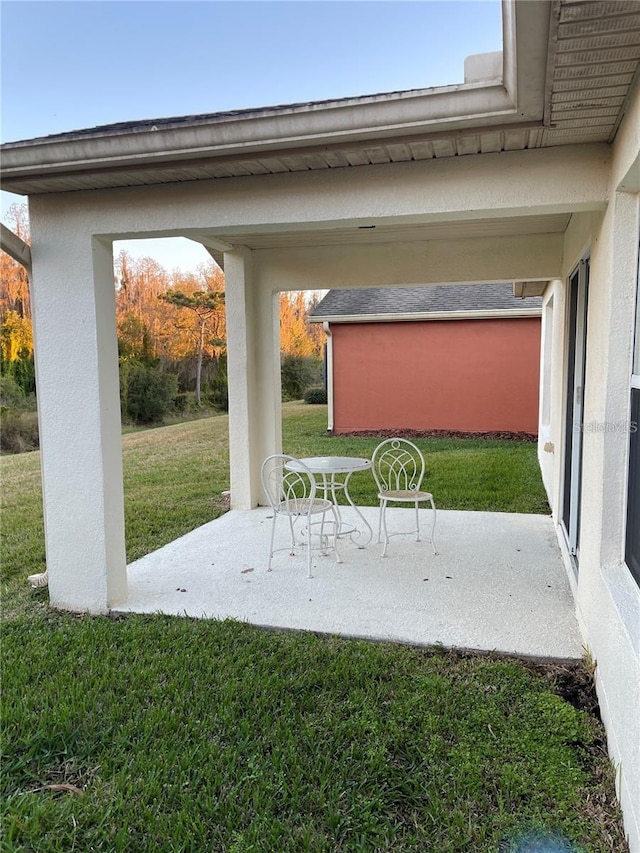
[{"x": 166, "y": 734}]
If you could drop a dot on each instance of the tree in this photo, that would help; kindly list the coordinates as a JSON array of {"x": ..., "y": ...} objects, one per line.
[
  {"x": 297, "y": 336},
  {"x": 14, "y": 287},
  {"x": 206, "y": 304},
  {"x": 16, "y": 336},
  {"x": 134, "y": 339}
]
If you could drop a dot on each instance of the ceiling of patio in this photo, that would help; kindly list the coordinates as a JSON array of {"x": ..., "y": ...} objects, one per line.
[{"x": 497, "y": 227}]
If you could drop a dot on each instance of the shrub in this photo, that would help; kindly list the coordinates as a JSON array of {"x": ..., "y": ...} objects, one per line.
[
  {"x": 298, "y": 372},
  {"x": 147, "y": 394},
  {"x": 18, "y": 430},
  {"x": 180, "y": 402},
  {"x": 216, "y": 389},
  {"x": 11, "y": 394},
  {"x": 315, "y": 395}
]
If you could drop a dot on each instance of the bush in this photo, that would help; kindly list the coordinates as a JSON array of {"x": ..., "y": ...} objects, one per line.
[
  {"x": 18, "y": 430},
  {"x": 315, "y": 395},
  {"x": 11, "y": 394},
  {"x": 180, "y": 402},
  {"x": 217, "y": 390},
  {"x": 298, "y": 372},
  {"x": 146, "y": 395}
]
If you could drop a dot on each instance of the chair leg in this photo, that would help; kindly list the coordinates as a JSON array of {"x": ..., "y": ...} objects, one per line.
[
  {"x": 417, "y": 524},
  {"x": 323, "y": 538},
  {"x": 293, "y": 535},
  {"x": 309, "y": 555},
  {"x": 380, "y": 523},
  {"x": 273, "y": 533},
  {"x": 336, "y": 527},
  {"x": 433, "y": 528},
  {"x": 383, "y": 514}
]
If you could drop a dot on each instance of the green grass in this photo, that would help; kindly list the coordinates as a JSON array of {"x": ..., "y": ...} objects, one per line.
[
  {"x": 167, "y": 734},
  {"x": 197, "y": 735},
  {"x": 467, "y": 474}
]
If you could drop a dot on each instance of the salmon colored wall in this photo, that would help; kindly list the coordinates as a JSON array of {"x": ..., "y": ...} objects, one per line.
[{"x": 463, "y": 375}]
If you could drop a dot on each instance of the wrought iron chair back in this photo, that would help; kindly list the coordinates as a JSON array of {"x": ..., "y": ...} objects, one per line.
[
  {"x": 398, "y": 468},
  {"x": 398, "y": 465},
  {"x": 291, "y": 490}
]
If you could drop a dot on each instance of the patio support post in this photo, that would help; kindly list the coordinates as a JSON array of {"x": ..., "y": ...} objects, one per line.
[
  {"x": 76, "y": 350},
  {"x": 253, "y": 368}
]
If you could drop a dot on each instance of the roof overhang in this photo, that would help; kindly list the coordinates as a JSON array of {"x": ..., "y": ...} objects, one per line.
[
  {"x": 503, "y": 314},
  {"x": 163, "y": 150}
]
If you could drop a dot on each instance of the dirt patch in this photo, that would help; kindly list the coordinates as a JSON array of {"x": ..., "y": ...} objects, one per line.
[
  {"x": 574, "y": 683},
  {"x": 222, "y": 502}
]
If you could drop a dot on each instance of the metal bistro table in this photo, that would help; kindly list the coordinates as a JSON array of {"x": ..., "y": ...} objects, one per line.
[{"x": 334, "y": 473}]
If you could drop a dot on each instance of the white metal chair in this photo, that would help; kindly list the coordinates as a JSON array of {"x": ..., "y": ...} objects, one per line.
[
  {"x": 291, "y": 488},
  {"x": 398, "y": 469}
]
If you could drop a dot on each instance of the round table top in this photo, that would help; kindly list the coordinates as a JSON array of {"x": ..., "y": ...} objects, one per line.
[{"x": 335, "y": 464}]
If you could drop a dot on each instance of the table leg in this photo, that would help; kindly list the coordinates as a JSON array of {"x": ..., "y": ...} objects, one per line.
[
  {"x": 330, "y": 487},
  {"x": 359, "y": 537}
]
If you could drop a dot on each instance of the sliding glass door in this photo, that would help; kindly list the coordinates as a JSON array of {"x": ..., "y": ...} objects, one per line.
[
  {"x": 578, "y": 287},
  {"x": 632, "y": 541}
]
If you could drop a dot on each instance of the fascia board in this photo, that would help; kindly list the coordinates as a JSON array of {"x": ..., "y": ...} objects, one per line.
[
  {"x": 429, "y": 315},
  {"x": 358, "y": 120}
]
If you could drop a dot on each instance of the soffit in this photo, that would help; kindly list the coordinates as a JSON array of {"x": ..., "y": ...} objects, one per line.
[
  {"x": 309, "y": 158},
  {"x": 594, "y": 56},
  {"x": 485, "y": 228}
]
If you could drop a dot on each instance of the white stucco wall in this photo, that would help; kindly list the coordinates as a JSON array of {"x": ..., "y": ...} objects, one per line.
[
  {"x": 253, "y": 362},
  {"x": 608, "y": 599},
  {"x": 74, "y": 324}
]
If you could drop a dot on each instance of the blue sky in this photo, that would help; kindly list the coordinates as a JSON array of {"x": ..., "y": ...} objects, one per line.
[{"x": 72, "y": 65}]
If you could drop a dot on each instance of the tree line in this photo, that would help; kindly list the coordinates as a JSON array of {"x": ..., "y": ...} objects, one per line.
[{"x": 171, "y": 329}]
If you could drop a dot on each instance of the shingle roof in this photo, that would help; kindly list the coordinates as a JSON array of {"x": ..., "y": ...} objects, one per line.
[{"x": 422, "y": 300}]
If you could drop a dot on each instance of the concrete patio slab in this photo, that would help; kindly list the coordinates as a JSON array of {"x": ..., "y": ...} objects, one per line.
[{"x": 497, "y": 583}]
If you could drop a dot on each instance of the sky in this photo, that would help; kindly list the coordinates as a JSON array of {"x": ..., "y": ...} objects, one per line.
[{"x": 72, "y": 65}]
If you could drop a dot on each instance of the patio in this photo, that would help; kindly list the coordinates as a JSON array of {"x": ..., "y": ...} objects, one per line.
[{"x": 497, "y": 584}]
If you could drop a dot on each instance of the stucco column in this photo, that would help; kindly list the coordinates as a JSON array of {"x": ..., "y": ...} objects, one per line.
[
  {"x": 612, "y": 290},
  {"x": 253, "y": 368},
  {"x": 79, "y": 416}
]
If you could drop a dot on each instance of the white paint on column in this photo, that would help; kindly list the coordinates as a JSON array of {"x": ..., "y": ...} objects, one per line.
[
  {"x": 253, "y": 368},
  {"x": 79, "y": 417}
]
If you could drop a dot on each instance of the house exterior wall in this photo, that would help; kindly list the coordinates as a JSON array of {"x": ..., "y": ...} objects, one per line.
[
  {"x": 608, "y": 600},
  {"x": 462, "y": 375},
  {"x": 607, "y": 597}
]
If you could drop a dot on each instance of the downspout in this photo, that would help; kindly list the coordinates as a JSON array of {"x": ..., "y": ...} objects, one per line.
[{"x": 327, "y": 328}]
